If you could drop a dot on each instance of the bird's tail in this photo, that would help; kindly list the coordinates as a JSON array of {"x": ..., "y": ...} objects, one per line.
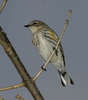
[{"x": 65, "y": 79}]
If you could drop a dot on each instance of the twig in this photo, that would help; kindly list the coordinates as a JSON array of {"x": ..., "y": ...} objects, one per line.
[
  {"x": 44, "y": 66},
  {"x": 59, "y": 40},
  {"x": 3, "y": 5},
  {"x": 26, "y": 78},
  {"x": 12, "y": 87},
  {"x": 19, "y": 97}
]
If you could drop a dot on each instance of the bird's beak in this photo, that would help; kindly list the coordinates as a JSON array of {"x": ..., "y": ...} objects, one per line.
[{"x": 27, "y": 26}]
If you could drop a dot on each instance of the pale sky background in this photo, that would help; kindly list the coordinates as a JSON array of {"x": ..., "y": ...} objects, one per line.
[{"x": 53, "y": 12}]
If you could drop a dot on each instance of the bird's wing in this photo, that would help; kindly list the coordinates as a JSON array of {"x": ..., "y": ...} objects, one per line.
[
  {"x": 62, "y": 51},
  {"x": 52, "y": 37}
]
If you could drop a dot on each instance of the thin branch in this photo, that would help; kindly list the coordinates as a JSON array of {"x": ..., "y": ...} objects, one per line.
[
  {"x": 3, "y": 5},
  {"x": 59, "y": 40},
  {"x": 19, "y": 97},
  {"x": 12, "y": 87},
  {"x": 44, "y": 66},
  {"x": 26, "y": 78}
]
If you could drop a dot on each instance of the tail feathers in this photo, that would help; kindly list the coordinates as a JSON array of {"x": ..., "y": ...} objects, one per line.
[{"x": 65, "y": 79}]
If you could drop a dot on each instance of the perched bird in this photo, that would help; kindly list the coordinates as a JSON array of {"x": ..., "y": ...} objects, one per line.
[{"x": 44, "y": 39}]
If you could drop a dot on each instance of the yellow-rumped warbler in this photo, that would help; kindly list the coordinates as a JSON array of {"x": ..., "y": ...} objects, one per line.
[{"x": 45, "y": 39}]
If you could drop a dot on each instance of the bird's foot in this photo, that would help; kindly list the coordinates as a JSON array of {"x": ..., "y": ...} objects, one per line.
[{"x": 44, "y": 69}]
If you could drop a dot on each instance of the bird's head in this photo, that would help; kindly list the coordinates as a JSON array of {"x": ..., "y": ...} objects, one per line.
[{"x": 35, "y": 25}]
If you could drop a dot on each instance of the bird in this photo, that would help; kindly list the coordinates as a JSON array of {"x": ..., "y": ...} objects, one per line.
[{"x": 44, "y": 38}]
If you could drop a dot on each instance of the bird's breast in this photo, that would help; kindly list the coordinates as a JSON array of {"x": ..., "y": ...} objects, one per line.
[{"x": 43, "y": 47}]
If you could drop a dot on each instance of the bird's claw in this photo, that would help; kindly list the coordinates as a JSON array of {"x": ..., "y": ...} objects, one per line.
[{"x": 44, "y": 69}]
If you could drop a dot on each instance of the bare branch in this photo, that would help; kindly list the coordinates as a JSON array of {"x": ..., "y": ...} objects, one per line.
[
  {"x": 59, "y": 40},
  {"x": 12, "y": 87},
  {"x": 3, "y": 5},
  {"x": 26, "y": 78}
]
